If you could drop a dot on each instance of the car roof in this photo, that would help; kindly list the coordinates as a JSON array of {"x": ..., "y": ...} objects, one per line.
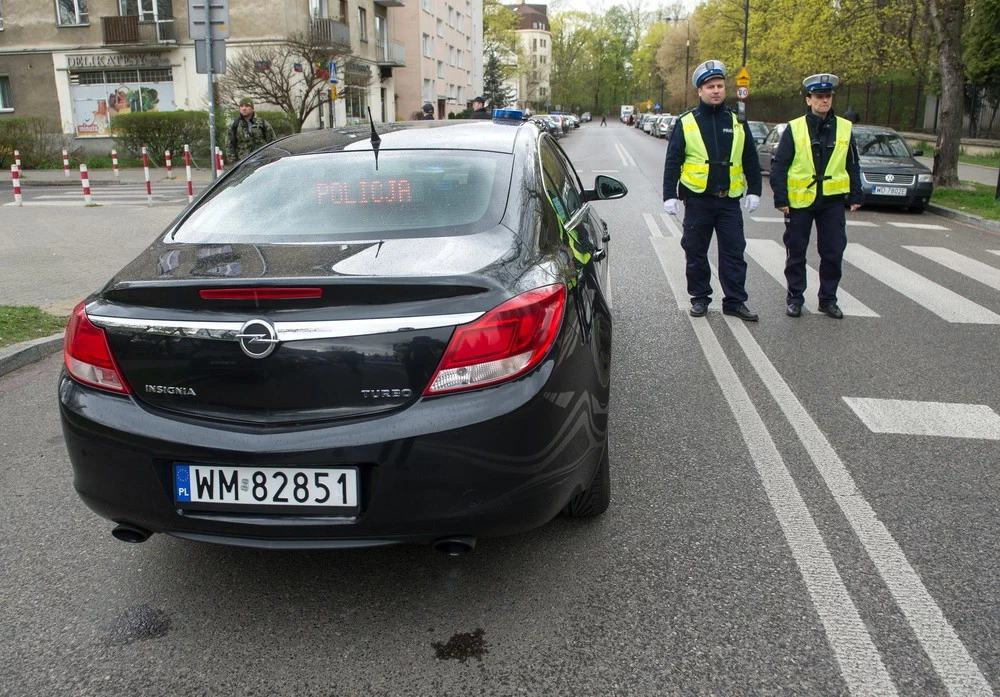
[{"x": 494, "y": 135}]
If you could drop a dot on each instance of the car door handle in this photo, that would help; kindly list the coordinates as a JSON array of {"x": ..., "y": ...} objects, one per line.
[
  {"x": 599, "y": 254},
  {"x": 606, "y": 238}
]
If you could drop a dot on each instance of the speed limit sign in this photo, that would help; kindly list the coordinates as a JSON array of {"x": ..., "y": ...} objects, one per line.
[{"x": 742, "y": 92}]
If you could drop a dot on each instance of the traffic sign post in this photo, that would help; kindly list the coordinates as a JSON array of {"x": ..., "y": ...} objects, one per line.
[
  {"x": 742, "y": 92},
  {"x": 208, "y": 20},
  {"x": 743, "y": 77}
]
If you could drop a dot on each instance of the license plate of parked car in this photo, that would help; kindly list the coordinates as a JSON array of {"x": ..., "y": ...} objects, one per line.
[
  {"x": 889, "y": 190},
  {"x": 311, "y": 489}
]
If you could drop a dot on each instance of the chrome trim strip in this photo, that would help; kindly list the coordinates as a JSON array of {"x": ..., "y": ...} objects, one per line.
[{"x": 287, "y": 331}]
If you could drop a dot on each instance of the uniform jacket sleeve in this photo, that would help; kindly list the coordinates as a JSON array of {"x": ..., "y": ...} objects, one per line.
[
  {"x": 779, "y": 168},
  {"x": 231, "y": 142},
  {"x": 269, "y": 132},
  {"x": 751, "y": 165},
  {"x": 673, "y": 162},
  {"x": 857, "y": 195}
]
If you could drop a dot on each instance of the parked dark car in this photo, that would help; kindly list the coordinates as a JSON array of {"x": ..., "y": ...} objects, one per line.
[
  {"x": 352, "y": 340},
  {"x": 889, "y": 174},
  {"x": 759, "y": 129}
]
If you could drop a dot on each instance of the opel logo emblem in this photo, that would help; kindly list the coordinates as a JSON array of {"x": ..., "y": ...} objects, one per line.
[
  {"x": 890, "y": 178},
  {"x": 258, "y": 338}
]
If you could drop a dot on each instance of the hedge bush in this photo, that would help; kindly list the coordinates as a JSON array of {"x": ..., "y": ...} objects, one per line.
[{"x": 36, "y": 138}]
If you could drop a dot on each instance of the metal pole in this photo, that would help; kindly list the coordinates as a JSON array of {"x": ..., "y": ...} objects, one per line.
[
  {"x": 746, "y": 30},
  {"x": 211, "y": 82},
  {"x": 687, "y": 66}
]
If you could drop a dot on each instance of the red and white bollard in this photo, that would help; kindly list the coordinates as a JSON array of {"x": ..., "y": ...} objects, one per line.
[
  {"x": 85, "y": 180},
  {"x": 66, "y": 163},
  {"x": 187, "y": 168},
  {"x": 114, "y": 162},
  {"x": 166, "y": 154},
  {"x": 17, "y": 160},
  {"x": 145, "y": 169},
  {"x": 15, "y": 175}
]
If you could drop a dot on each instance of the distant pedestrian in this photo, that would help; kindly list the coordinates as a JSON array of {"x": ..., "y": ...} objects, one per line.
[
  {"x": 247, "y": 132},
  {"x": 604, "y": 120},
  {"x": 818, "y": 142},
  {"x": 711, "y": 163},
  {"x": 479, "y": 109},
  {"x": 428, "y": 112},
  {"x": 852, "y": 115}
]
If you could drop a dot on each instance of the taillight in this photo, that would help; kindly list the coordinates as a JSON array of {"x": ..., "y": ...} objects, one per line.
[
  {"x": 506, "y": 342},
  {"x": 88, "y": 356}
]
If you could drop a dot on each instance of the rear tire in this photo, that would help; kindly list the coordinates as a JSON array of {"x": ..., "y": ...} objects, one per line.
[{"x": 596, "y": 498}]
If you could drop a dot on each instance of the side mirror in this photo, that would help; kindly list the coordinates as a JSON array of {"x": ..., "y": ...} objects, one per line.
[
  {"x": 605, "y": 188},
  {"x": 918, "y": 153}
]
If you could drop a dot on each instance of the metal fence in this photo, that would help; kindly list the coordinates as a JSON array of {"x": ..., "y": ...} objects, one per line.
[{"x": 905, "y": 106}]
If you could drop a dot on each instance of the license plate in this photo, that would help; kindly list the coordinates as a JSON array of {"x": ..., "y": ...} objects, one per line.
[
  {"x": 889, "y": 190},
  {"x": 308, "y": 489}
]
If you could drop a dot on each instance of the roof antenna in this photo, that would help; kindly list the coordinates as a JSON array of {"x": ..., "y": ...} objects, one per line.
[{"x": 376, "y": 141}]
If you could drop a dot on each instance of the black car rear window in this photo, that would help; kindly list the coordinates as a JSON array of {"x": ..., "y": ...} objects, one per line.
[{"x": 413, "y": 193}]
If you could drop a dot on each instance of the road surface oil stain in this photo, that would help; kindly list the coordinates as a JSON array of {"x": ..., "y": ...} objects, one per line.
[
  {"x": 462, "y": 647},
  {"x": 138, "y": 623}
]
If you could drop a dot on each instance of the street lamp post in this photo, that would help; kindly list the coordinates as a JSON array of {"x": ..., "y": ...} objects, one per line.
[
  {"x": 687, "y": 56},
  {"x": 746, "y": 29}
]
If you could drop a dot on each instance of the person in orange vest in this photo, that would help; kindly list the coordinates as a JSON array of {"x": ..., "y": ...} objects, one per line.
[
  {"x": 815, "y": 176},
  {"x": 711, "y": 163}
]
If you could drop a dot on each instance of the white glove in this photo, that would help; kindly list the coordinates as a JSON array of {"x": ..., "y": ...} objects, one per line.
[
  {"x": 751, "y": 203},
  {"x": 672, "y": 206}
]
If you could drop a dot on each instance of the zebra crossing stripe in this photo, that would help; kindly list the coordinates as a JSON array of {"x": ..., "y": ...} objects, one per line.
[
  {"x": 994, "y": 251},
  {"x": 920, "y": 226},
  {"x": 771, "y": 256},
  {"x": 976, "y": 270},
  {"x": 910, "y": 418},
  {"x": 654, "y": 229},
  {"x": 852, "y": 223},
  {"x": 946, "y": 304}
]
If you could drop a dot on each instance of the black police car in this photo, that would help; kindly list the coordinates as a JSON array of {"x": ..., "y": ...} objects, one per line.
[{"x": 355, "y": 339}]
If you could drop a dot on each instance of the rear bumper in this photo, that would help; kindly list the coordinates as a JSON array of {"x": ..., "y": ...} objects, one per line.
[{"x": 493, "y": 462}]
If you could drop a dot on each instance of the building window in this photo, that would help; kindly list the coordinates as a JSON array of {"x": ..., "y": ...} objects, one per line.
[
  {"x": 543, "y": 43},
  {"x": 1, "y": 15},
  {"x": 428, "y": 46},
  {"x": 342, "y": 18},
  {"x": 451, "y": 16},
  {"x": 440, "y": 27},
  {"x": 70, "y": 13},
  {"x": 440, "y": 68},
  {"x": 98, "y": 96},
  {"x": 425, "y": 5},
  {"x": 363, "y": 24},
  {"x": 460, "y": 23},
  {"x": 318, "y": 9},
  {"x": 357, "y": 79},
  {"x": 6, "y": 103},
  {"x": 468, "y": 7},
  {"x": 428, "y": 89}
]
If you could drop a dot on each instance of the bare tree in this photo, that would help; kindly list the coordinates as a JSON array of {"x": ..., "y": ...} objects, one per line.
[{"x": 290, "y": 74}]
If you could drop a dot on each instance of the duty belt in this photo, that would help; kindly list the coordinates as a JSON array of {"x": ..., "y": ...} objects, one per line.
[{"x": 720, "y": 194}]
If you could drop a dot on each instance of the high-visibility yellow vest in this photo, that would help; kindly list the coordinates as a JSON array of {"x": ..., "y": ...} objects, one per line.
[
  {"x": 694, "y": 171},
  {"x": 802, "y": 179},
  {"x": 572, "y": 237}
]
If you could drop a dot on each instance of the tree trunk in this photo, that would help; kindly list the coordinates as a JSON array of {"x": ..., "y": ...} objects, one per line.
[{"x": 946, "y": 17}]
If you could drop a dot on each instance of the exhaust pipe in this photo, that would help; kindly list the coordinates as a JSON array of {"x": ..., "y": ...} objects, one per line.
[
  {"x": 457, "y": 546},
  {"x": 126, "y": 532}
]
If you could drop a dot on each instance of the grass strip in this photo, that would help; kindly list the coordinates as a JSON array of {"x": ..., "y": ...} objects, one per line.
[
  {"x": 23, "y": 323},
  {"x": 971, "y": 197}
]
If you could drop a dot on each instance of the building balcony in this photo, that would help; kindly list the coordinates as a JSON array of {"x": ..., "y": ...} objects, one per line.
[
  {"x": 329, "y": 32},
  {"x": 128, "y": 32},
  {"x": 391, "y": 54},
  {"x": 390, "y": 3}
]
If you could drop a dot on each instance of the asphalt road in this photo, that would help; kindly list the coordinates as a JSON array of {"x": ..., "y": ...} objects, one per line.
[{"x": 799, "y": 506}]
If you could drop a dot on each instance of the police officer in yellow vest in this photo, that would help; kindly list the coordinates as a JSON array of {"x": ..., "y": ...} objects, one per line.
[
  {"x": 814, "y": 175},
  {"x": 711, "y": 163}
]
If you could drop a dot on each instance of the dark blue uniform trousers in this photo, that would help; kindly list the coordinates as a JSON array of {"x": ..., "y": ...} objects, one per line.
[
  {"x": 702, "y": 214},
  {"x": 831, "y": 241}
]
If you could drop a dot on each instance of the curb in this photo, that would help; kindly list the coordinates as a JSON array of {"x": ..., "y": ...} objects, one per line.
[
  {"x": 990, "y": 225},
  {"x": 20, "y": 355}
]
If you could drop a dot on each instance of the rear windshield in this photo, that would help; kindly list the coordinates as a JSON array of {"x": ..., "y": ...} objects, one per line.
[{"x": 339, "y": 196}]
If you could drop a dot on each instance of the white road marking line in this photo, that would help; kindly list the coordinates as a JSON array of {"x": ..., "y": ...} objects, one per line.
[
  {"x": 956, "y": 668},
  {"x": 654, "y": 229},
  {"x": 851, "y": 223},
  {"x": 671, "y": 223},
  {"x": 920, "y": 226},
  {"x": 593, "y": 171},
  {"x": 912, "y": 418},
  {"x": 857, "y": 656},
  {"x": 771, "y": 256},
  {"x": 946, "y": 304},
  {"x": 623, "y": 153},
  {"x": 994, "y": 251},
  {"x": 976, "y": 270}
]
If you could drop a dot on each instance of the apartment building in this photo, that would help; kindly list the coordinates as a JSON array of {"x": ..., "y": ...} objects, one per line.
[
  {"x": 80, "y": 62},
  {"x": 444, "y": 45},
  {"x": 534, "y": 89}
]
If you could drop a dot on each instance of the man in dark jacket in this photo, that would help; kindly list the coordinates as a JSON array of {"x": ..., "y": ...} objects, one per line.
[
  {"x": 479, "y": 109},
  {"x": 428, "y": 112},
  {"x": 247, "y": 132},
  {"x": 713, "y": 157},
  {"x": 815, "y": 174}
]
